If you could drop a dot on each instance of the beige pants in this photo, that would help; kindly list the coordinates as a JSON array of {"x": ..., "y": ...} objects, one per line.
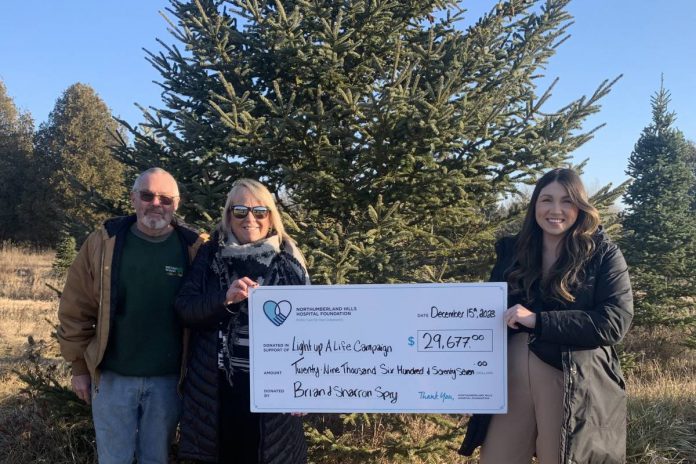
[{"x": 535, "y": 411}]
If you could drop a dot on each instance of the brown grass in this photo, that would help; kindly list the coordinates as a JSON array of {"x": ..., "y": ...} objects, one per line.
[
  {"x": 24, "y": 273},
  {"x": 661, "y": 398},
  {"x": 20, "y": 319},
  {"x": 662, "y": 417},
  {"x": 27, "y": 306}
]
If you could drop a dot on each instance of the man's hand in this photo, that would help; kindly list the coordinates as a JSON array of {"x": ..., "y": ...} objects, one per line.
[{"x": 81, "y": 385}]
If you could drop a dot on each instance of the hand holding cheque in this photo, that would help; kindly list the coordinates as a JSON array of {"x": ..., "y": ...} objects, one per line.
[{"x": 239, "y": 290}]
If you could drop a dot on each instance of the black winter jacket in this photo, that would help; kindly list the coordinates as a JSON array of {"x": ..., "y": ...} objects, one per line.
[
  {"x": 584, "y": 333},
  {"x": 200, "y": 306}
]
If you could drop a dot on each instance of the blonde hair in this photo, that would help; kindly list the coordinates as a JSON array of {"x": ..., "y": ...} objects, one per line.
[{"x": 258, "y": 190}]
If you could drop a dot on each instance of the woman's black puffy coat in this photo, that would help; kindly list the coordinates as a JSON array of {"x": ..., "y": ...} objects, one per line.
[
  {"x": 585, "y": 331},
  {"x": 200, "y": 306}
]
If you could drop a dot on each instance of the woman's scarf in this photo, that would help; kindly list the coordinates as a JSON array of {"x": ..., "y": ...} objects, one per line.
[{"x": 268, "y": 262}]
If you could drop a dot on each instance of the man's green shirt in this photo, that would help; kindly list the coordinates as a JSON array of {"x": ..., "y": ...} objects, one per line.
[{"x": 145, "y": 336}]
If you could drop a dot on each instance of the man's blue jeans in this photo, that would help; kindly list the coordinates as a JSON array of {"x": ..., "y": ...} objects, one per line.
[{"x": 135, "y": 417}]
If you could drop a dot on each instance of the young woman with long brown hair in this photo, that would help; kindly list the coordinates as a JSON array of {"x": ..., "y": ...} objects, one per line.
[{"x": 570, "y": 302}]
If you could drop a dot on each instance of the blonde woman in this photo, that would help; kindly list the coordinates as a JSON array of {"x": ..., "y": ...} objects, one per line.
[{"x": 250, "y": 247}]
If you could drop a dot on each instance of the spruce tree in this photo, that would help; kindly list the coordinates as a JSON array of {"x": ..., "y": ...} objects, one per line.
[
  {"x": 660, "y": 227},
  {"x": 387, "y": 133},
  {"x": 73, "y": 151}
]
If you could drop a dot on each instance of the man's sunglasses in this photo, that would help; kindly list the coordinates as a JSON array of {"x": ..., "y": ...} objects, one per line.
[
  {"x": 149, "y": 197},
  {"x": 241, "y": 211}
]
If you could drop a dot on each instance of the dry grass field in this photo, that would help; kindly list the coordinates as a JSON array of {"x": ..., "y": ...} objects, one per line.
[
  {"x": 27, "y": 311},
  {"x": 661, "y": 379},
  {"x": 26, "y": 303}
]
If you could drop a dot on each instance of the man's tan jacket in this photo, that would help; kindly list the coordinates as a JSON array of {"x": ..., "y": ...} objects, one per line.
[{"x": 88, "y": 303}]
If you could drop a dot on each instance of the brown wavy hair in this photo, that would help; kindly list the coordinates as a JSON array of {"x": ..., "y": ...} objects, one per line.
[{"x": 577, "y": 244}]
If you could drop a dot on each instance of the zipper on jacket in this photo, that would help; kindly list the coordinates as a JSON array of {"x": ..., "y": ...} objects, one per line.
[
  {"x": 567, "y": 394},
  {"x": 95, "y": 380}
]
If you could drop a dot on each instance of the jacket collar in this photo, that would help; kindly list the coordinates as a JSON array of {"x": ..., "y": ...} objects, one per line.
[{"x": 120, "y": 224}]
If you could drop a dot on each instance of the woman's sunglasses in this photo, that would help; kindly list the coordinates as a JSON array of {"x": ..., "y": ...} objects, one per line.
[{"x": 241, "y": 211}]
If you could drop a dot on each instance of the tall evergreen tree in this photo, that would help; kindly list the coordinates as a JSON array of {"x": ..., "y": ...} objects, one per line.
[
  {"x": 388, "y": 134},
  {"x": 16, "y": 131},
  {"x": 660, "y": 227},
  {"x": 74, "y": 152}
]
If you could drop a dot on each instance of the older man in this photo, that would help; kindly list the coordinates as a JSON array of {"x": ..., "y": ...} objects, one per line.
[{"x": 118, "y": 327}]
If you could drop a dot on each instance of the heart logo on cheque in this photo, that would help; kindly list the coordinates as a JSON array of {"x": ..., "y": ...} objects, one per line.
[{"x": 277, "y": 312}]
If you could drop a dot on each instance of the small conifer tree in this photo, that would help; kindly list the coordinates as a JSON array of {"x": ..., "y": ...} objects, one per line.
[{"x": 65, "y": 253}]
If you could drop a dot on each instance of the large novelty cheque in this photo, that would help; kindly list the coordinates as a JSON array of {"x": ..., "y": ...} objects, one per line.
[{"x": 420, "y": 348}]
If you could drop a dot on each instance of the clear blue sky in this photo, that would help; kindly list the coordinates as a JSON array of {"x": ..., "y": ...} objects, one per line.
[{"x": 47, "y": 45}]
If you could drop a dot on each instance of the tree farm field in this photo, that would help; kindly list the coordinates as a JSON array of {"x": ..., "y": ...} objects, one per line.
[{"x": 40, "y": 421}]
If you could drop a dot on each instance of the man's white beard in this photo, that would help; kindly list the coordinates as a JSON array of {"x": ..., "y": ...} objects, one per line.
[{"x": 156, "y": 223}]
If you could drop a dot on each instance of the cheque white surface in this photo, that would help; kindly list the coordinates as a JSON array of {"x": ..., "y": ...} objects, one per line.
[{"x": 379, "y": 348}]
